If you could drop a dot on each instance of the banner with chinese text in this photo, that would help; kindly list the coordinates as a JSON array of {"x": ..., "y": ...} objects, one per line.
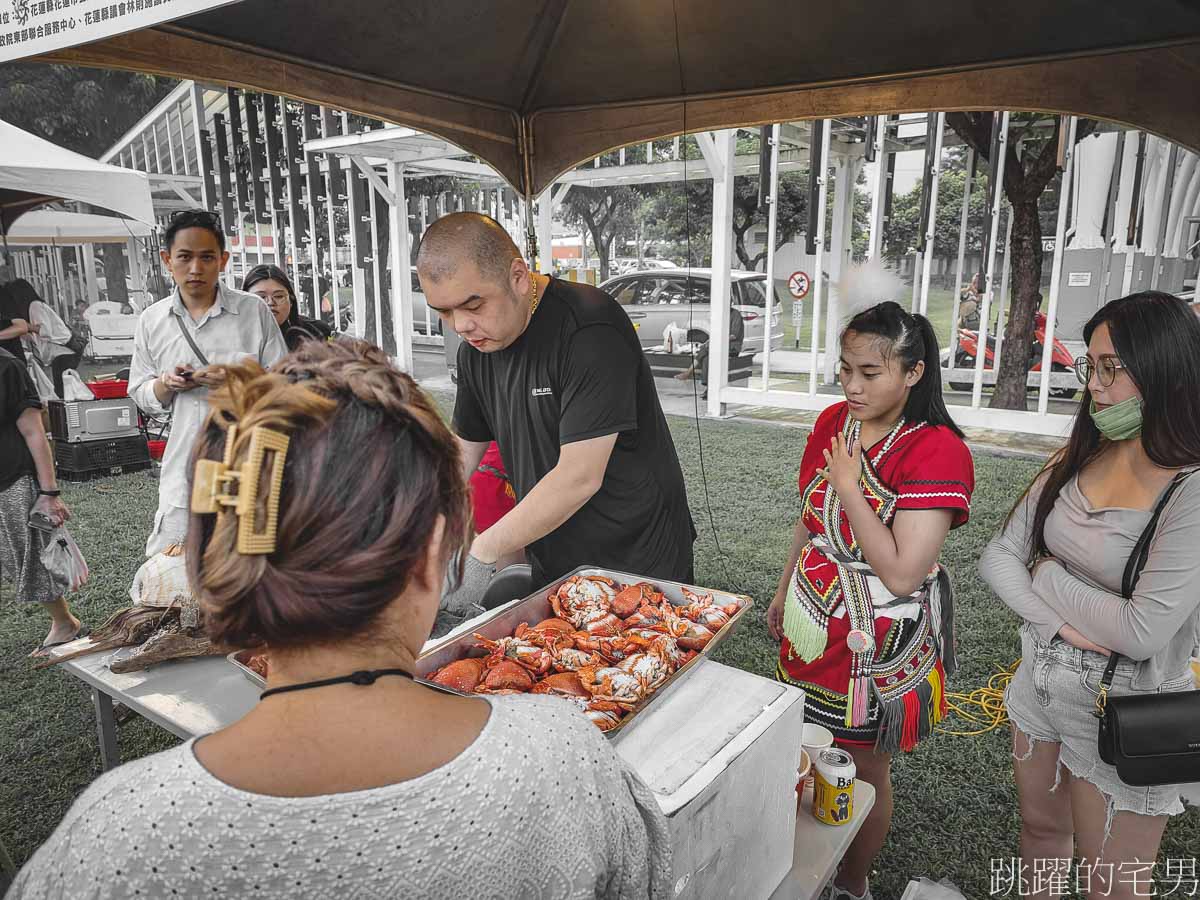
[{"x": 33, "y": 27}]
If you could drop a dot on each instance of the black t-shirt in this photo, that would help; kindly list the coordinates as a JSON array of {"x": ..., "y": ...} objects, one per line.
[
  {"x": 12, "y": 345},
  {"x": 577, "y": 373},
  {"x": 17, "y": 394}
]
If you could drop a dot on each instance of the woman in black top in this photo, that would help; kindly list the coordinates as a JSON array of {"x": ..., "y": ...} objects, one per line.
[{"x": 275, "y": 288}]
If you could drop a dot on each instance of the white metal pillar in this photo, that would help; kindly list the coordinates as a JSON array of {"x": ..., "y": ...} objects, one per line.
[
  {"x": 722, "y": 264},
  {"x": 1060, "y": 253},
  {"x": 962, "y": 253},
  {"x": 840, "y": 249},
  {"x": 1164, "y": 212},
  {"x": 376, "y": 285},
  {"x": 356, "y": 272},
  {"x": 935, "y": 165},
  {"x": 772, "y": 227},
  {"x": 822, "y": 163},
  {"x": 545, "y": 232},
  {"x": 997, "y": 200},
  {"x": 402, "y": 297},
  {"x": 1002, "y": 302},
  {"x": 878, "y": 188},
  {"x": 89, "y": 273}
]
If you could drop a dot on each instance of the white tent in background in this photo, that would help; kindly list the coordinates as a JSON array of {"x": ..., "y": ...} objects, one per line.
[
  {"x": 57, "y": 227},
  {"x": 34, "y": 172}
]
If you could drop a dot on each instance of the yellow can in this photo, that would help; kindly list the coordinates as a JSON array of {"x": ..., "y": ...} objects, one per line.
[{"x": 833, "y": 787}]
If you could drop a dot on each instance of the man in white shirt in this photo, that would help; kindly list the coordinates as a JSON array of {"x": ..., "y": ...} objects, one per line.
[{"x": 180, "y": 346}]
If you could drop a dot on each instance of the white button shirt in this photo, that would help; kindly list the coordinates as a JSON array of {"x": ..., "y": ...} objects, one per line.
[{"x": 238, "y": 325}]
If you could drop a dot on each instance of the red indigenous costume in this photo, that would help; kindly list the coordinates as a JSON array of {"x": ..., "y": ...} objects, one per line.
[{"x": 873, "y": 665}]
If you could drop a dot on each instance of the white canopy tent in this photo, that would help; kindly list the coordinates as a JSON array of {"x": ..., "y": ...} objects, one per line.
[
  {"x": 60, "y": 228},
  {"x": 34, "y": 172}
]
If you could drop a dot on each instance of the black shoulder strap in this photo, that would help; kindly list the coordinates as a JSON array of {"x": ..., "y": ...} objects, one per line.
[
  {"x": 1137, "y": 561},
  {"x": 191, "y": 342}
]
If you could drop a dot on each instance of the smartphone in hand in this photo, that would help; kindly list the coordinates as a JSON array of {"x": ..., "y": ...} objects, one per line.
[{"x": 40, "y": 521}]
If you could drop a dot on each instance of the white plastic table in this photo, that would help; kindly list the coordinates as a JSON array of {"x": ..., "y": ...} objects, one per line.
[
  {"x": 189, "y": 697},
  {"x": 820, "y": 847}
]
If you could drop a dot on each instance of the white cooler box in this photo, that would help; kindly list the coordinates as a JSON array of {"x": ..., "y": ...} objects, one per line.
[{"x": 721, "y": 756}]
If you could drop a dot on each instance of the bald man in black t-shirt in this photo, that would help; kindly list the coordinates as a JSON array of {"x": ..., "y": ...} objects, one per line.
[{"x": 554, "y": 373}]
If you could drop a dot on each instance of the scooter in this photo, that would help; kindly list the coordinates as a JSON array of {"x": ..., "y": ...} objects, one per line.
[{"x": 1060, "y": 358}]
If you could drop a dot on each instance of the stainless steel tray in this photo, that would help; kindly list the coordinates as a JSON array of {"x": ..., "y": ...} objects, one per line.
[
  {"x": 503, "y": 621},
  {"x": 254, "y": 678}
]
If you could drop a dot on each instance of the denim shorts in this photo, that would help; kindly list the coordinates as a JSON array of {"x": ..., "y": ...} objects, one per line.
[{"x": 1051, "y": 699}]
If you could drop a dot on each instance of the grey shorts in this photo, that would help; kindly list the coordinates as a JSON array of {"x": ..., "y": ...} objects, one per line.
[
  {"x": 21, "y": 547},
  {"x": 1051, "y": 699}
]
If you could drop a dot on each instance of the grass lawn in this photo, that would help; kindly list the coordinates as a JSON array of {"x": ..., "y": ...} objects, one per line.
[{"x": 955, "y": 801}]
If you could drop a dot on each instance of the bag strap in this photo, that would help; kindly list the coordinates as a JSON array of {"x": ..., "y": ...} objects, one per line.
[
  {"x": 191, "y": 341},
  {"x": 1137, "y": 562}
]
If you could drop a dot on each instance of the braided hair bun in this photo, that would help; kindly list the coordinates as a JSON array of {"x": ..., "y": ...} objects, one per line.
[{"x": 370, "y": 469}]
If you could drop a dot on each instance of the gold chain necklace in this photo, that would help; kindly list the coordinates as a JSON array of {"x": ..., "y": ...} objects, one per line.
[{"x": 536, "y": 299}]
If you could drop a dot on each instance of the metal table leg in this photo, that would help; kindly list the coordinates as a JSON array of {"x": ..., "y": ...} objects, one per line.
[{"x": 106, "y": 730}]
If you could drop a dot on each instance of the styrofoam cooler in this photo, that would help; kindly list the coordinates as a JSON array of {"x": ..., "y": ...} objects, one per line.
[{"x": 721, "y": 757}]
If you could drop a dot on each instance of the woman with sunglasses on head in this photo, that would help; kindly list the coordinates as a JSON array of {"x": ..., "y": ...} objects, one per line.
[
  {"x": 272, "y": 285},
  {"x": 1059, "y": 563},
  {"x": 863, "y": 610},
  {"x": 349, "y": 778}
]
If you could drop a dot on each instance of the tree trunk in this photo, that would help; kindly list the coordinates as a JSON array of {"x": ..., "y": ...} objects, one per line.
[
  {"x": 1026, "y": 263},
  {"x": 114, "y": 273}
]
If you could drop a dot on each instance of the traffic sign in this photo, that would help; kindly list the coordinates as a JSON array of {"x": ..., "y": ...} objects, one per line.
[{"x": 798, "y": 285}]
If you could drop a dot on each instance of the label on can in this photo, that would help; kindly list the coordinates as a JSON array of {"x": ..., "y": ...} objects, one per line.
[{"x": 833, "y": 787}]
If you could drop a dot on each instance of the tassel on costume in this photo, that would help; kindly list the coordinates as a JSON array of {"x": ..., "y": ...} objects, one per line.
[
  {"x": 905, "y": 720},
  {"x": 857, "y": 707},
  {"x": 807, "y": 638},
  {"x": 941, "y": 618}
]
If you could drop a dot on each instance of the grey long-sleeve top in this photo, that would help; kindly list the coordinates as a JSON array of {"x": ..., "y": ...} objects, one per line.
[{"x": 1081, "y": 585}]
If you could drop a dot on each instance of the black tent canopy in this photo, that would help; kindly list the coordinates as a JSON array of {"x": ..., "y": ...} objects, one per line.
[{"x": 535, "y": 87}]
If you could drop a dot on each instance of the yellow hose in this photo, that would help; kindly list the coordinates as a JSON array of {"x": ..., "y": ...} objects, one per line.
[{"x": 983, "y": 706}]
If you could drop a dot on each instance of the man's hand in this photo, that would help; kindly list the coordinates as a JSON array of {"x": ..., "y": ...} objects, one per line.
[
  {"x": 35, "y": 327},
  {"x": 53, "y": 509},
  {"x": 180, "y": 380},
  {"x": 210, "y": 376},
  {"x": 466, "y": 597}
]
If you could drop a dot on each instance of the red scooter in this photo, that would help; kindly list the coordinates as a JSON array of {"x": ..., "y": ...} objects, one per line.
[{"x": 1060, "y": 359}]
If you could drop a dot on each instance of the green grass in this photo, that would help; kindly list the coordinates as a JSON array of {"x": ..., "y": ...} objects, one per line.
[{"x": 955, "y": 800}]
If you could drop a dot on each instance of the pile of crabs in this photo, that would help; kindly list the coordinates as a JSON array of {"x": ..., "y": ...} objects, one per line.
[{"x": 607, "y": 647}]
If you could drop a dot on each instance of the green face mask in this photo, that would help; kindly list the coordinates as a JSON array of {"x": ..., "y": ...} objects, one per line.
[{"x": 1120, "y": 421}]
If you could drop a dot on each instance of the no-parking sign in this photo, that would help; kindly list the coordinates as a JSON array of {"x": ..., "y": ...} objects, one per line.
[{"x": 798, "y": 285}]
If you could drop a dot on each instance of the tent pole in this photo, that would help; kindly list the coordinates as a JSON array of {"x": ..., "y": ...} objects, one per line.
[
  {"x": 877, "y": 190},
  {"x": 722, "y": 263},
  {"x": 935, "y": 165},
  {"x": 1060, "y": 252},
  {"x": 1000, "y": 147},
  {"x": 962, "y": 253},
  {"x": 402, "y": 298},
  {"x": 1164, "y": 212}
]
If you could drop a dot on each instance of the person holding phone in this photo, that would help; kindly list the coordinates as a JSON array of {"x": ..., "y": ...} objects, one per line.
[
  {"x": 29, "y": 503},
  {"x": 181, "y": 347}
]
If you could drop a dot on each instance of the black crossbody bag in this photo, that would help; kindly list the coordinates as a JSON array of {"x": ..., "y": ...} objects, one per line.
[{"x": 1150, "y": 738}]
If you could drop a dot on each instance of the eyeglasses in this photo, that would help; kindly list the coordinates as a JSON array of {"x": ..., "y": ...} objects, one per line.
[
  {"x": 1105, "y": 367},
  {"x": 276, "y": 297}
]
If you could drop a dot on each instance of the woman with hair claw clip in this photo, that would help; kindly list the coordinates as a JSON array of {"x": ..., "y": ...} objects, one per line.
[{"x": 327, "y": 500}]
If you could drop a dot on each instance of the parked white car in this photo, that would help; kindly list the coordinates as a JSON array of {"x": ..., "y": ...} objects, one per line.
[{"x": 654, "y": 298}]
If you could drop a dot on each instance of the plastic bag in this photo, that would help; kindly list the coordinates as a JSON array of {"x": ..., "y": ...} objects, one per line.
[
  {"x": 674, "y": 338},
  {"x": 74, "y": 388},
  {"x": 162, "y": 582},
  {"x": 927, "y": 889},
  {"x": 64, "y": 561},
  {"x": 41, "y": 381}
]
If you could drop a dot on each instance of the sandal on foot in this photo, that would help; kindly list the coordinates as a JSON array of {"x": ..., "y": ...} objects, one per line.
[{"x": 43, "y": 651}]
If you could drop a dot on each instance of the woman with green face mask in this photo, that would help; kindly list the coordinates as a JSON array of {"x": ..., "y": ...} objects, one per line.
[{"x": 1059, "y": 562}]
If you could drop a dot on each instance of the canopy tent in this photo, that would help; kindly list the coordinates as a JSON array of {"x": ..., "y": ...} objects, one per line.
[
  {"x": 34, "y": 172},
  {"x": 534, "y": 87},
  {"x": 52, "y": 226}
]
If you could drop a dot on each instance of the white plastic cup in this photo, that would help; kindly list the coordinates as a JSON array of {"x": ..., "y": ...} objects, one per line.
[{"x": 814, "y": 739}]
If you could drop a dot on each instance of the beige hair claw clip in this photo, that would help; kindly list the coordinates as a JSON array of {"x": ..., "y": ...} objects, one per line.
[{"x": 215, "y": 479}]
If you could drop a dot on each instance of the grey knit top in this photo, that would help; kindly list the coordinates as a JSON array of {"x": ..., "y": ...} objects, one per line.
[{"x": 1081, "y": 586}]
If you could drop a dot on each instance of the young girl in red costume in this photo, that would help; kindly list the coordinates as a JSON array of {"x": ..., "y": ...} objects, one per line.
[{"x": 863, "y": 610}]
